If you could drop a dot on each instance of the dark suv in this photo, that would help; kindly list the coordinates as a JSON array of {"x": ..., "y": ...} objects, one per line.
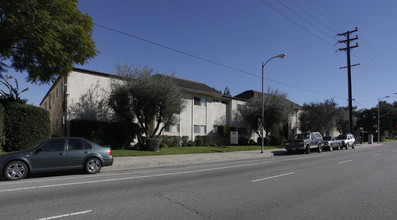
[{"x": 304, "y": 142}]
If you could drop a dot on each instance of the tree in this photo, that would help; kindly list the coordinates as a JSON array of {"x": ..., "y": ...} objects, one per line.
[
  {"x": 342, "y": 120},
  {"x": 44, "y": 38},
  {"x": 226, "y": 92},
  {"x": 318, "y": 117},
  {"x": 277, "y": 109},
  {"x": 368, "y": 119},
  {"x": 13, "y": 93},
  {"x": 323, "y": 117},
  {"x": 153, "y": 100}
]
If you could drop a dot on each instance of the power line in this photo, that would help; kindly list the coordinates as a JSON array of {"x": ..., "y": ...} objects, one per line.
[
  {"x": 213, "y": 62},
  {"x": 296, "y": 23},
  {"x": 301, "y": 17},
  {"x": 330, "y": 12},
  {"x": 313, "y": 17},
  {"x": 175, "y": 50},
  {"x": 322, "y": 14}
]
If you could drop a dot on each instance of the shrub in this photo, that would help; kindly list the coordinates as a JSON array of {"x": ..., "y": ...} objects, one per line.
[
  {"x": 1, "y": 126},
  {"x": 243, "y": 141},
  {"x": 190, "y": 144},
  {"x": 25, "y": 126},
  {"x": 276, "y": 140},
  {"x": 116, "y": 134},
  {"x": 266, "y": 141},
  {"x": 204, "y": 140},
  {"x": 184, "y": 140},
  {"x": 170, "y": 141}
]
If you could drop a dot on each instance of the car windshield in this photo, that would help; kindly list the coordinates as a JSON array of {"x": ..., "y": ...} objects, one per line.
[
  {"x": 302, "y": 136},
  {"x": 341, "y": 137}
]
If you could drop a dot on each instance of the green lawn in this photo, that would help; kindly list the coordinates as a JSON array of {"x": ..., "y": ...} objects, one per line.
[{"x": 189, "y": 150}]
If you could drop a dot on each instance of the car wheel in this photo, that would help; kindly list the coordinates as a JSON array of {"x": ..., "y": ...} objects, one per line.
[
  {"x": 347, "y": 146},
  {"x": 15, "y": 170},
  {"x": 319, "y": 148},
  {"x": 307, "y": 149},
  {"x": 353, "y": 145},
  {"x": 331, "y": 148},
  {"x": 338, "y": 147},
  {"x": 93, "y": 165}
]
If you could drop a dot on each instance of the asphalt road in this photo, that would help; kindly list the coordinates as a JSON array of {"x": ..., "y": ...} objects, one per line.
[{"x": 347, "y": 184}]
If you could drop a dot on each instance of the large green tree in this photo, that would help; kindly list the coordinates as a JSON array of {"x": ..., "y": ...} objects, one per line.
[
  {"x": 44, "y": 37},
  {"x": 323, "y": 117},
  {"x": 153, "y": 100},
  {"x": 367, "y": 119},
  {"x": 277, "y": 108}
]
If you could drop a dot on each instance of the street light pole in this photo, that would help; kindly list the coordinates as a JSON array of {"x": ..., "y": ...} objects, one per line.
[
  {"x": 263, "y": 96},
  {"x": 379, "y": 117}
]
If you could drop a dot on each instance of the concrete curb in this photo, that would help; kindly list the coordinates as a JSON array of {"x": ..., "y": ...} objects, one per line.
[{"x": 123, "y": 163}]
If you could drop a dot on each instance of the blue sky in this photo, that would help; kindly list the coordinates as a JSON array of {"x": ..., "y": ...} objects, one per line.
[{"x": 242, "y": 34}]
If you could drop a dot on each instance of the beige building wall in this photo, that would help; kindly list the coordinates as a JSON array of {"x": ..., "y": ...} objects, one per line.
[{"x": 54, "y": 102}]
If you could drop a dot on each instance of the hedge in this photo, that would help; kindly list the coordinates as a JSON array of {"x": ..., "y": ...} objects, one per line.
[
  {"x": 25, "y": 126},
  {"x": 1, "y": 125},
  {"x": 116, "y": 134}
]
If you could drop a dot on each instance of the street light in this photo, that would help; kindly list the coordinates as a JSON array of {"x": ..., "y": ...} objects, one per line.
[
  {"x": 379, "y": 117},
  {"x": 263, "y": 96}
]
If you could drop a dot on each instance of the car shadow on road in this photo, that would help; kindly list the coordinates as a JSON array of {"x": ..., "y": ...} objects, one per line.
[{"x": 280, "y": 153}]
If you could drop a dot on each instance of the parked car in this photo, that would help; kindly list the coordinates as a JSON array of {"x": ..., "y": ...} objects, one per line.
[
  {"x": 305, "y": 142},
  {"x": 330, "y": 143},
  {"x": 347, "y": 140},
  {"x": 56, "y": 154}
]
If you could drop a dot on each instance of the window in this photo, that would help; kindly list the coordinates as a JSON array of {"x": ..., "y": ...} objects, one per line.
[
  {"x": 57, "y": 91},
  {"x": 50, "y": 100},
  {"x": 54, "y": 145},
  {"x": 225, "y": 102},
  {"x": 87, "y": 146},
  {"x": 76, "y": 144},
  {"x": 200, "y": 101},
  {"x": 200, "y": 129},
  {"x": 172, "y": 128}
]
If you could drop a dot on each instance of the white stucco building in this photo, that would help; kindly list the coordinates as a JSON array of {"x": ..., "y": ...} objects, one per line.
[{"x": 83, "y": 94}]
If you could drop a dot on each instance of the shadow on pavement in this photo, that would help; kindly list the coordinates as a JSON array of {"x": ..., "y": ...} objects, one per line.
[{"x": 280, "y": 153}]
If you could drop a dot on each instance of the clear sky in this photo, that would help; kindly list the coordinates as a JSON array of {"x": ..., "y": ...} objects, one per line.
[{"x": 239, "y": 34}]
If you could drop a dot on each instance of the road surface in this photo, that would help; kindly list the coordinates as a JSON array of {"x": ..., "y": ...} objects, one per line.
[{"x": 346, "y": 184}]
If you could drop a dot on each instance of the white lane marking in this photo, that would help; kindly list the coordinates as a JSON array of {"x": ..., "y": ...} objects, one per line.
[
  {"x": 66, "y": 215},
  {"x": 375, "y": 155},
  {"x": 272, "y": 177},
  {"x": 129, "y": 178},
  {"x": 346, "y": 161}
]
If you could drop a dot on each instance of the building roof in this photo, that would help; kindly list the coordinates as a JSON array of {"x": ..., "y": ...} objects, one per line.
[
  {"x": 251, "y": 93},
  {"x": 193, "y": 86},
  {"x": 185, "y": 85}
]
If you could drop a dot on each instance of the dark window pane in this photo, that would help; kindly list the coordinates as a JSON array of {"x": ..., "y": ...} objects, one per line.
[
  {"x": 54, "y": 145},
  {"x": 75, "y": 144},
  {"x": 87, "y": 146}
]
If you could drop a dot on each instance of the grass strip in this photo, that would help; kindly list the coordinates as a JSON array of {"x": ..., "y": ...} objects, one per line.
[{"x": 189, "y": 150}]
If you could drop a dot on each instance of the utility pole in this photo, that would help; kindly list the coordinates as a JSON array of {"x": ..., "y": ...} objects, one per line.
[{"x": 349, "y": 78}]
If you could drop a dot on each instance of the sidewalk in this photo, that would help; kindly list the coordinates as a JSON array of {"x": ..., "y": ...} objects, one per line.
[{"x": 121, "y": 163}]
